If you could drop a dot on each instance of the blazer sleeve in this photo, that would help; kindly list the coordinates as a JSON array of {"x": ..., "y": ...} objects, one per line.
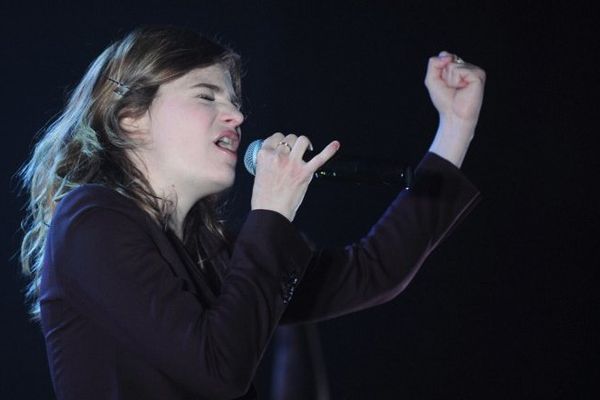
[
  {"x": 380, "y": 265},
  {"x": 113, "y": 274}
]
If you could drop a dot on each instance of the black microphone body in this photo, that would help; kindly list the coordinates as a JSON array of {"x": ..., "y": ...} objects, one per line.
[
  {"x": 364, "y": 170},
  {"x": 349, "y": 169}
]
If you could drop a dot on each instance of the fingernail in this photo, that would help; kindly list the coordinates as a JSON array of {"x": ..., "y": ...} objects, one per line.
[{"x": 443, "y": 54}]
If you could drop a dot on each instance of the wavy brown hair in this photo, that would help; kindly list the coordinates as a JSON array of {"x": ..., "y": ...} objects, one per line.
[{"x": 85, "y": 143}]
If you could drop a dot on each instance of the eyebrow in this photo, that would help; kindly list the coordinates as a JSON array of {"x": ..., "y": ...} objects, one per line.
[{"x": 219, "y": 90}]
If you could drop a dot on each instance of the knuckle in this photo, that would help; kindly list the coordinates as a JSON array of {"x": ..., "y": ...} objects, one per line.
[
  {"x": 290, "y": 139},
  {"x": 271, "y": 140},
  {"x": 302, "y": 139}
]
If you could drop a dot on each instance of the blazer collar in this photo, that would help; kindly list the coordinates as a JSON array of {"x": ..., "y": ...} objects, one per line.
[{"x": 172, "y": 250}]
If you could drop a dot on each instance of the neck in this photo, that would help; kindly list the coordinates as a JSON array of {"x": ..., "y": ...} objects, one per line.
[
  {"x": 178, "y": 202},
  {"x": 181, "y": 205}
]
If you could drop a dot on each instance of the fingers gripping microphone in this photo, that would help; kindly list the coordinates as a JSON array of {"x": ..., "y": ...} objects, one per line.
[{"x": 348, "y": 169}]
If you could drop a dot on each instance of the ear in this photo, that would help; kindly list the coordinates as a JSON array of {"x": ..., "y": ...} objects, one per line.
[{"x": 135, "y": 125}]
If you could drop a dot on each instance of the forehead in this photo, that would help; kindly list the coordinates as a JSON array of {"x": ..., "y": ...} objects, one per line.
[{"x": 214, "y": 74}]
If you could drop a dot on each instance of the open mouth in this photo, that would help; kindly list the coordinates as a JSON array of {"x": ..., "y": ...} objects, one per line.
[
  {"x": 229, "y": 143},
  {"x": 226, "y": 143}
]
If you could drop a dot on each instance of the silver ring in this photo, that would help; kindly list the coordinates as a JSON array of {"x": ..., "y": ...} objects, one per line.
[
  {"x": 458, "y": 60},
  {"x": 286, "y": 144}
]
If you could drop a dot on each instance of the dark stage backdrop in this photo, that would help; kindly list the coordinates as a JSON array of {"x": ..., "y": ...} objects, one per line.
[{"x": 507, "y": 306}]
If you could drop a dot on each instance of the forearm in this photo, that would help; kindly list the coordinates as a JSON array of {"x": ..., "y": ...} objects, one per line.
[
  {"x": 452, "y": 140},
  {"x": 378, "y": 267}
]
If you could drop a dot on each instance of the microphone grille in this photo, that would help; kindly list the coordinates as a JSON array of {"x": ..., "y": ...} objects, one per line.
[{"x": 250, "y": 156}]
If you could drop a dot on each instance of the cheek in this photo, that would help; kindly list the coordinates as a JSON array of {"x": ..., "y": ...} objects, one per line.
[{"x": 182, "y": 125}]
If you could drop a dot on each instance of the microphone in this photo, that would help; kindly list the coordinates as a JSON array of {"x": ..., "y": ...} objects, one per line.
[{"x": 348, "y": 169}]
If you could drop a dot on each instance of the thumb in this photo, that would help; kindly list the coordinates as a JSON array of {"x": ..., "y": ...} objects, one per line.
[{"x": 435, "y": 66}]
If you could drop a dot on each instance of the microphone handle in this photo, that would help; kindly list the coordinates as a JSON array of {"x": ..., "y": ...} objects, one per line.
[{"x": 361, "y": 171}]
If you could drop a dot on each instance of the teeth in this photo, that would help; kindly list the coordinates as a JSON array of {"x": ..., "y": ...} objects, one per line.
[{"x": 224, "y": 142}]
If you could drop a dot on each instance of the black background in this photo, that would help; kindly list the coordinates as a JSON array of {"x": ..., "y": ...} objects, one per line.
[{"x": 507, "y": 306}]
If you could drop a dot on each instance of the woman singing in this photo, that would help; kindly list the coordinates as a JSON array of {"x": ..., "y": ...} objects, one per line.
[{"x": 139, "y": 292}]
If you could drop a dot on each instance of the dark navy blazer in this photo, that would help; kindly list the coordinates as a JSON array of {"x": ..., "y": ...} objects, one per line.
[{"x": 124, "y": 317}]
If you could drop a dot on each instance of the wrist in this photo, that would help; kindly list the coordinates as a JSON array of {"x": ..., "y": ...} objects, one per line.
[
  {"x": 452, "y": 139},
  {"x": 452, "y": 126}
]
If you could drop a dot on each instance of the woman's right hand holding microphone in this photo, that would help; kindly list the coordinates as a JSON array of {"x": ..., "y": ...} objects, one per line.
[{"x": 282, "y": 176}]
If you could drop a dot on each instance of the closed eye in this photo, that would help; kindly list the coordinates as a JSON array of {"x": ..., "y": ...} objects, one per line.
[
  {"x": 208, "y": 97},
  {"x": 215, "y": 89}
]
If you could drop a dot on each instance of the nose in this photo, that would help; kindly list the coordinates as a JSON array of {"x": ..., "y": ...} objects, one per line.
[{"x": 232, "y": 116}]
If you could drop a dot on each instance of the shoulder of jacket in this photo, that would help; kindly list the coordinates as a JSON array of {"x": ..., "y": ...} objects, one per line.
[{"x": 89, "y": 197}]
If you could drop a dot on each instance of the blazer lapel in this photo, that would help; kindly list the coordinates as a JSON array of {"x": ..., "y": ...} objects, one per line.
[{"x": 182, "y": 265}]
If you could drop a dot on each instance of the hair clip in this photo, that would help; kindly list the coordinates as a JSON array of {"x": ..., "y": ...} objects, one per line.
[{"x": 121, "y": 88}]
